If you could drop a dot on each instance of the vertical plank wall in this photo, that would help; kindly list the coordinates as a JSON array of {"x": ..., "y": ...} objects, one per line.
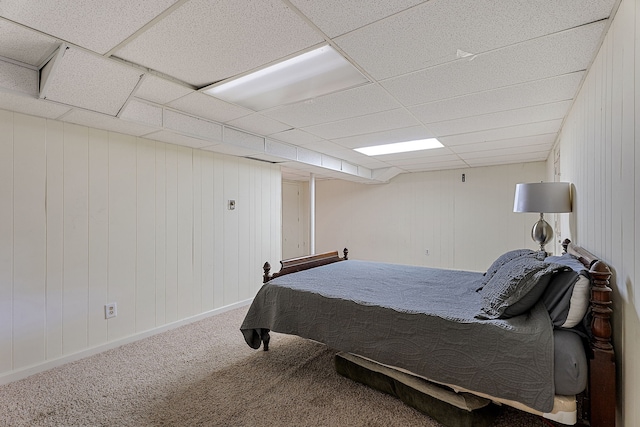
[
  {"x": 89, "y": 217},
  {"x": 464, "y": 225},
  {"x": 599, "y": 153}
]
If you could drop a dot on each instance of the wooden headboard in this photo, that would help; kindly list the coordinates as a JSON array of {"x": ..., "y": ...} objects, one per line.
[{"x": 601, "y": 393}]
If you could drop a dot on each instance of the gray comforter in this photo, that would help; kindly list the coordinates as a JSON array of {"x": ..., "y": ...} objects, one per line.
[{"x": 416, "y": 318}]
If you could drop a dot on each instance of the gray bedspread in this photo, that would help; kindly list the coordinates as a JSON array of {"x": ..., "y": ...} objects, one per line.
[{"x": 417, "y": 318}]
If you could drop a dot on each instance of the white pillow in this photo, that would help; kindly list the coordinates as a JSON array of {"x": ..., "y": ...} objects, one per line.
[{"x": 579, "y": 302}]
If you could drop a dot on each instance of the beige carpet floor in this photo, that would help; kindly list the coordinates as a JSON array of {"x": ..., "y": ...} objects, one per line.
[{"x": 203, "y": 374}]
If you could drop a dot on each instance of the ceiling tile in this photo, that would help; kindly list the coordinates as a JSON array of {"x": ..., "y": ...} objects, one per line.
[
  {"x": 538, "y": 113},
  {"x": 366, "y": 174},
  {"x": 192, "y": 126},
  {"x": 508, "y": 159},
  {"x": 500, "y": 144},
  {"x": 373, "y": 164},
  {"x": 471, "y": 26},
  {"x": 361, "y": 160},
  {"x": 538, "y": 92},
  {"x": 309, "y": 157},
  {"x": 320, "y": 173},
  {"x": 528, "y": 149},
  {"x": 338, "y": 17},
  {"x": 331, "y": 162},
  {"x": 159, "y": 90},
  {"x": 376, "y": 122},
  {"x": 257, "y": 123},
  {"x": 348, "y": 154},
  {"x": 284, "y": 151},
  {"x": 93, "y": 24},
  {"x": 531, "y": 129},
  {"x": 443, "y": 156},
  {"x": 31, "y": 105},
  {"x": 103, "y": 121},
  {"x": 424, "y": 167},
  {"x": 15, "y": 78},
  {"x": 242, "y": 139},
  {"x": 95, "y": 83},
  {"x": 290, "y": 174},
  {"x": 233, "y": 150},
  {"x": 296, "y": 136},
  {"x": 559, "y": 53},
  {"x": 349, "y": 168},
  {"x": 324, "y": 146},
  {"x": 21, "y": 44},
  {"x": 385, "y": 137},
  {"x": 141, "y": 112},
  {"x": 208, "y": 107},
  {"x": 416, "y": 155},
  {"x": 180, "y": 139},
  {"x": 367, "y": 99},
  {"x": 224, "y": 38}
]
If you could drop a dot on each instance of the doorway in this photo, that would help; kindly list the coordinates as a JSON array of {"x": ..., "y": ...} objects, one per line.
[{"x": 293, "y": 219}]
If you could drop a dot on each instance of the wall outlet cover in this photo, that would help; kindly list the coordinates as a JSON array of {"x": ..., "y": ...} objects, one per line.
[{"x": 110, "y": 310}]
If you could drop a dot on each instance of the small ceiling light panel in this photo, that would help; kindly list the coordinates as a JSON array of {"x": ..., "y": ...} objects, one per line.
[
  {"x": 401, "y": 147},
  {"x": 312, "y": 74}
]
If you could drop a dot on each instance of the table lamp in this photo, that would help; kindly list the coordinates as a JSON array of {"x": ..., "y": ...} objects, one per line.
[{"x": 542, "y": 197}]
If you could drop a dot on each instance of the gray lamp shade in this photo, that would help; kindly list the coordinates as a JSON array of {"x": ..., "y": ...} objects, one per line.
[{"x": 543, "y": 197}]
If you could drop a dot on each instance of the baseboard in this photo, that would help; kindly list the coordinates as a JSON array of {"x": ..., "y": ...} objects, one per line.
[{"x": 50, "y": 364}]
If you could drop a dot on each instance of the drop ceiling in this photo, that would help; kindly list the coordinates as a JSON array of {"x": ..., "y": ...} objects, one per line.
[{"x": 491, "y": 79}]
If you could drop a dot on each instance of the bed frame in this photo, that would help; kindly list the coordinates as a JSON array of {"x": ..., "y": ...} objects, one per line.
[{"x": 598, "y": 402}]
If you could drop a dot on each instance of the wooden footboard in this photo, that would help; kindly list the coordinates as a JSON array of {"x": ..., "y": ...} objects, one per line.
[
  {"x": 303, "y": 263},
  {"x": 601, "y": 393}
]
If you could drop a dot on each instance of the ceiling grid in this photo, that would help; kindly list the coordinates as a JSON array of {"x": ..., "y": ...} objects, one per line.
[{"x": 491, "y": 80}]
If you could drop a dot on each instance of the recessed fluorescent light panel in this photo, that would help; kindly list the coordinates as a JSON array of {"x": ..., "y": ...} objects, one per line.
[
  {"x": 401, "y": 147},
  {"x": 306, "y": 76}
]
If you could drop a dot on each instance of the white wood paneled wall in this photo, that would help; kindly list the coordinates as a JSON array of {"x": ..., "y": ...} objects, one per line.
[
  {"x": 464, "y": 225},
  {"x": 89, "y": 217},
  {"x": 600, "y": 154}
]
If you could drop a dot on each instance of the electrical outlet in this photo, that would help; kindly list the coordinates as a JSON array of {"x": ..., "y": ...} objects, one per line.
[
  {"x": 110, "y": 310},
  {"x": 426, "y": 252}
]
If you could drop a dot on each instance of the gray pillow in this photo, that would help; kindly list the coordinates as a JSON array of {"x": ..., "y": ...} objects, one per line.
[
  {"x": 516, "y": 287},
  {"x": 569, "y": 260},
  {"x": 567, "y": 298},
  {"x": 505, "y": 258},
  {"x": 570, "y": 366}
]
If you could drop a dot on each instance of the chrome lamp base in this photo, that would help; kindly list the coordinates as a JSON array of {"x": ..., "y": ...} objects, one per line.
[{"x": 542, "y": 233}]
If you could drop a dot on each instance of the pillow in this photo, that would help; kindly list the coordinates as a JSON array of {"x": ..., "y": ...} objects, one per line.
[
  {"x": 506, "y": 294},
  {"x": 567, "y": 298},
  {"x": 569, "y": 260},
  {"x": 505, "y": 258},
  {"x": 568, "y": 311},
  {"x": 570, "y": 366}
]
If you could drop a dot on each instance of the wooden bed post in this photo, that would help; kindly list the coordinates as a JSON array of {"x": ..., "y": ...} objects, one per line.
[
  {"x": 601, "y": 396},
  {"x": 267, "y": 272},
  {"x": 602, "y": 366}
]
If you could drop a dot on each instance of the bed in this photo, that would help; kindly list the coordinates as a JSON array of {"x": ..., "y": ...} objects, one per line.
[{"x": 450, "y": 328}]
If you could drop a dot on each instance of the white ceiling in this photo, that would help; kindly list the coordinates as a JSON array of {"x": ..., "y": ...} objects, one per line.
[{"x": 491, "y": 79}]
